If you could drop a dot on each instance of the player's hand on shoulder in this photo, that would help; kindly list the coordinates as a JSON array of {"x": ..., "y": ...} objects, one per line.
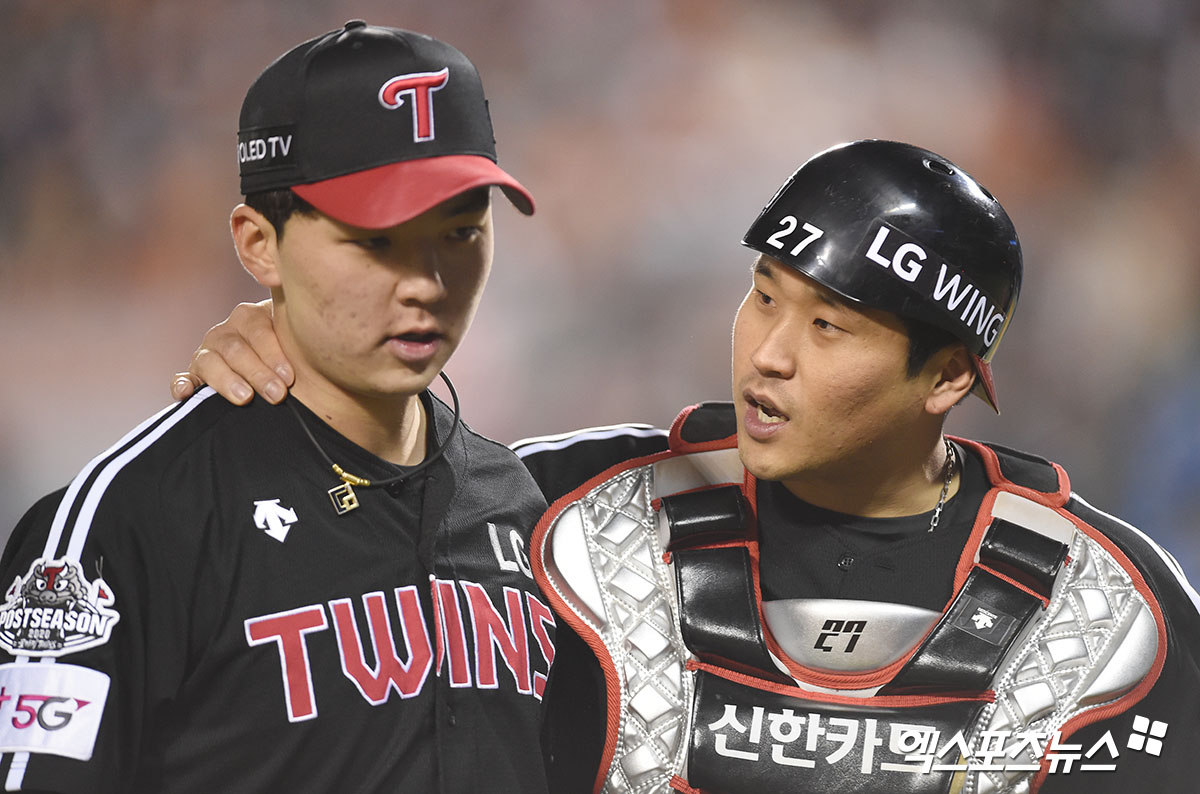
[{"x": 238, "y": 357}]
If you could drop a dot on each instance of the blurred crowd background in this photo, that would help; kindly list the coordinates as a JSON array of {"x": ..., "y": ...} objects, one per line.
[{"x": 651, "y": 133}]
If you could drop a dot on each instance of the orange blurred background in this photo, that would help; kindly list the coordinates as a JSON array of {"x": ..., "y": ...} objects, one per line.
[{"x": 651, "y": 133}]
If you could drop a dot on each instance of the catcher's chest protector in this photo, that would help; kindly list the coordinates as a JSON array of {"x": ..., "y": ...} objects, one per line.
[{"x": 655, "y": 564}]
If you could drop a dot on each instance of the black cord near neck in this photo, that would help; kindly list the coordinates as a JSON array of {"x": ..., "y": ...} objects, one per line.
[{"x": 409, "y": 472}]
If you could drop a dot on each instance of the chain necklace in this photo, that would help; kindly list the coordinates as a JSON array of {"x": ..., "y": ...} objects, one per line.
[
  {"x": 951, "y": 461},
  {"x": 343, "y": 496}
]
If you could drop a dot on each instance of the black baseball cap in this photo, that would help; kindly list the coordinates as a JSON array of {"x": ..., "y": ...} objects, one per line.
[{"x": 372, "y": 126}]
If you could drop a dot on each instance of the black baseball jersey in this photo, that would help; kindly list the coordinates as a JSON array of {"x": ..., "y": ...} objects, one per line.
[
  {"x": 193, "y": 614},
  {"x": 849, "y": 558}
]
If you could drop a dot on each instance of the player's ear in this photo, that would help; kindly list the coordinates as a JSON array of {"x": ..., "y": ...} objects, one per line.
[
  {"x": 257, "y": 244},
  {"x": 954, "y": 378}
]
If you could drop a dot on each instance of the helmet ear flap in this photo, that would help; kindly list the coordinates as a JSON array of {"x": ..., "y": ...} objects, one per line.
[{"x": 898, "y": 228}]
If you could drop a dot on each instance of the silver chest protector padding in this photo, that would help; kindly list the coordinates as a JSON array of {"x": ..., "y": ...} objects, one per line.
[
  {"x": 603, "y": 559},
  {"x": 1097, "y": 640}
]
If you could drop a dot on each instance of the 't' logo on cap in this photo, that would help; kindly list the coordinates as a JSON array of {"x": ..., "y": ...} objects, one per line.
[{"x": 420, "y": 86}]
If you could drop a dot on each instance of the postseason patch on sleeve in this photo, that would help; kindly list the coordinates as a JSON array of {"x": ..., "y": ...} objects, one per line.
[
  {"x": 54, "y": 610},
  {"x": 51, "y": 708}
]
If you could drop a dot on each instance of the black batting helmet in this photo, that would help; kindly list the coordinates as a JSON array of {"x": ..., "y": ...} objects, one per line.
[{"x": 899, "y": 228}]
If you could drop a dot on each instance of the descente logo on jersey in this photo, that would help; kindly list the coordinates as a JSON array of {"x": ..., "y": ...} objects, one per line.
[
  {"x": 467, "y": 645},
  {"x": 54, "y": 610}
]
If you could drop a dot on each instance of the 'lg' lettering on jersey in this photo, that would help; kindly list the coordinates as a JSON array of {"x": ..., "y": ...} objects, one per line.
[
  {"x": 470, "y": 658},
  {"x": 421, "y": 87}
]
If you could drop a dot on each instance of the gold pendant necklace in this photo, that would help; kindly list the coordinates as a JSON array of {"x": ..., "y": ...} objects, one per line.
[{"x": 342, "y": 495}]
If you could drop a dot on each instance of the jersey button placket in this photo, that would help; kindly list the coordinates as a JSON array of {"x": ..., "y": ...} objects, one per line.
[{"x": 845, "y": 561}]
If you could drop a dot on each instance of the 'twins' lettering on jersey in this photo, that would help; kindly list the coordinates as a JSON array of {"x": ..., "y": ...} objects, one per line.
[{"x": 470, "y": 658}]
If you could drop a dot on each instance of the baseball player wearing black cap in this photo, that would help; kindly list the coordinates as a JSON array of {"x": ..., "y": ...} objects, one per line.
[
  {"x": 813, "y": 589},
  {"x": 331, "y": 594}
]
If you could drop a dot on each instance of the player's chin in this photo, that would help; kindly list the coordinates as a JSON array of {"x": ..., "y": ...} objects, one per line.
[
  {"x": 758, "y": 460},
  {"x": 396, "y": 382}
]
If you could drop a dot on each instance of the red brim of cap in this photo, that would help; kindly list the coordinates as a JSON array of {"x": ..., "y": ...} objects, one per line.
[
  {"x": 391, "y": 194},
  {"x": 985, "y": 386}
]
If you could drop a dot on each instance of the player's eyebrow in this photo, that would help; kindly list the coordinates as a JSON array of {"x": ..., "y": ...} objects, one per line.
[
  {"x": 765, "y": 267},
  {"x": 761, "y": 267}
]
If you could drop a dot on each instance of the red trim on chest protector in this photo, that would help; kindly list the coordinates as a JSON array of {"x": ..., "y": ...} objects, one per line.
[
  {"x": 679, "y": 784},
  {"x": 677, "y": 444},
  {"x": 882, "y": 701},
  {"x": 997, "y": 484}
]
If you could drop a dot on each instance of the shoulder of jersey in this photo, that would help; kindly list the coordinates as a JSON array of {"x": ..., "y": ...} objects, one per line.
[
  {"x": 563, "y": 462},
  {"x": 169, "y": 439},
  {"x": 560, "y": 463},
  {"x": 1158, "y": 566},
  {"x": 122, "y": 479},
  {"x": 175, "y": 428}
]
